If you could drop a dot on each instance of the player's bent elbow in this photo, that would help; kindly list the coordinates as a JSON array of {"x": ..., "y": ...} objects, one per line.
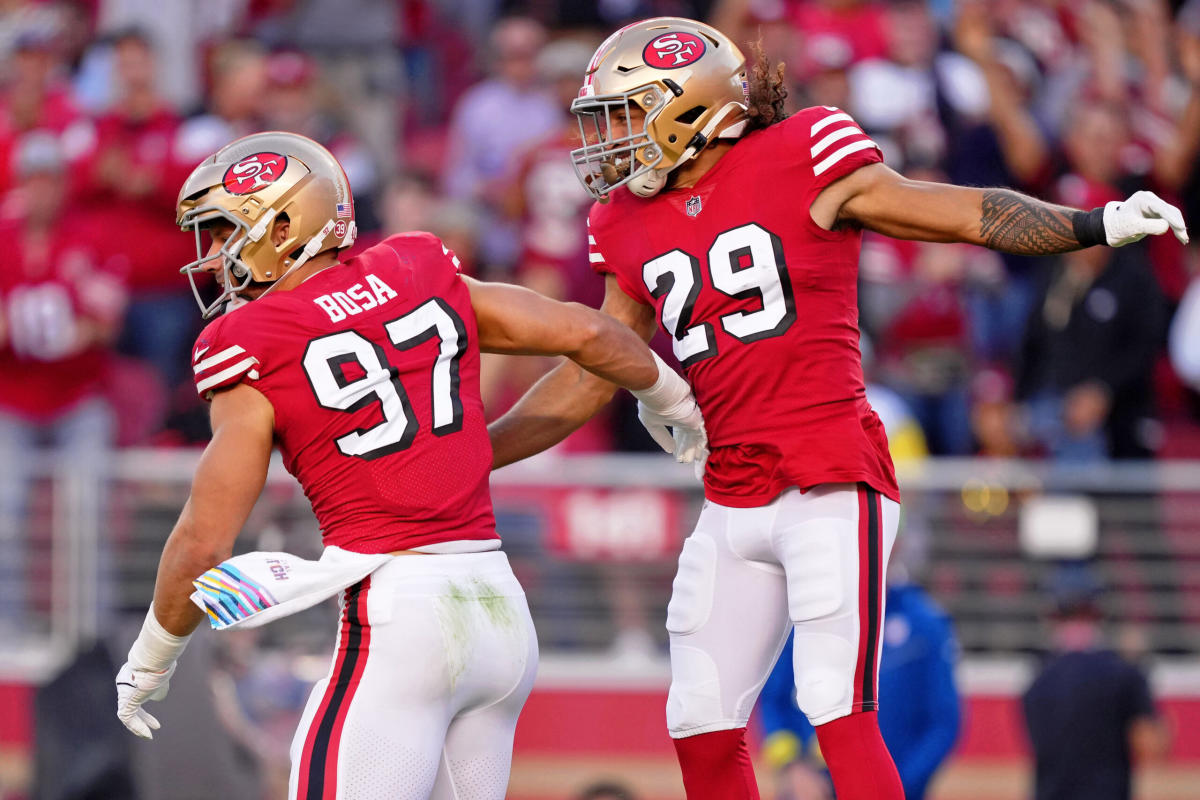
[
  {"x": 589, "y": 332},
  {"x": 191, "y": 546}
]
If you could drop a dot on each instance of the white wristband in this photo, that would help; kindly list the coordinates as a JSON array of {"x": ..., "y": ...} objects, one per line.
[
  {"x": 156, "y": 649},
  {"x": 669, "y": 390}
]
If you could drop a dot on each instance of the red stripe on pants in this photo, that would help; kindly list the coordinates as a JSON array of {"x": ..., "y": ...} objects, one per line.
[{"x": 318, "y": 762}]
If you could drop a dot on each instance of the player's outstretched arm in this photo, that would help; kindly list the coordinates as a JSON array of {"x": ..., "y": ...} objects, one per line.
[
  {"x": 884, "y": 201},
  {"x": 226, "y": 485},
  {"x": 515, "y": 320}
]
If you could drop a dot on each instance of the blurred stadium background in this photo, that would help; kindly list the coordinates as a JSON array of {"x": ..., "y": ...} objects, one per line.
[{"x": 1035, "y": 408}]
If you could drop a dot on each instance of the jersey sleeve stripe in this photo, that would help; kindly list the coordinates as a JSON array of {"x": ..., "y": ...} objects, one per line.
[
  {"x": 836, "y": 136},
  {"x": 453, "y": 258},
  {"x": 225, "y": 374},
  {"x": 596, "y": 258},
  {"x": 213, "y": 360},
  {"x": 825, "y": 122},
  {"x": 841, "y": 153}
]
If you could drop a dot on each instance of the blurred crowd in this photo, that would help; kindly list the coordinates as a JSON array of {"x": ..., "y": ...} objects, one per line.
[{"x": 452, "y": 116}]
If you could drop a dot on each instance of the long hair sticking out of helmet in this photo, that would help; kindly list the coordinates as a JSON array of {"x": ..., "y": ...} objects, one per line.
[{"x": 768, "y": 91}]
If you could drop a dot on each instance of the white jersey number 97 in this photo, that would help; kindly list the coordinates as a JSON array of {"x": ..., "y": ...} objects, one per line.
[{"x": 326, "y": 356}]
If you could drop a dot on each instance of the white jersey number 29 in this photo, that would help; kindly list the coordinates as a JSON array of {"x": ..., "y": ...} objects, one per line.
[
  {"x": 326, "y": 357},
  {"x": 746, "y": 262}
]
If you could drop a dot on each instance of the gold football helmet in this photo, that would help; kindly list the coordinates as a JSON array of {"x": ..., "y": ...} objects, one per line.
[
  {"x": 688, "y": 78},
  {"x": 251, "y": 183}
]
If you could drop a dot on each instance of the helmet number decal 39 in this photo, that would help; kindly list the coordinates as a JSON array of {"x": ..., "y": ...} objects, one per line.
[
  {"x": 673, "y": 50},
  {"x": 254, "y": 172}
]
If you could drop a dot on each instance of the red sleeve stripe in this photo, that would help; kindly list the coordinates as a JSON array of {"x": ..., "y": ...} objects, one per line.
[
  {"x": 230, "y": 372},
  {"x": 213, "y": 360},
  {"x": 841, "y": 153}
]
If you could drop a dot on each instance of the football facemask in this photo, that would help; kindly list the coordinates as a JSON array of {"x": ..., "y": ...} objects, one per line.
[
  {"x": 688, "y": 78},
  {"x": 607, "y": 162},
  {"x": 252, "y": 183},
  {"x": 234, "y": 275}
]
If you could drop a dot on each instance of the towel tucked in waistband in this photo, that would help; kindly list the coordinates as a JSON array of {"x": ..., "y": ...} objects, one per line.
[{"x": 253, "y": 589}]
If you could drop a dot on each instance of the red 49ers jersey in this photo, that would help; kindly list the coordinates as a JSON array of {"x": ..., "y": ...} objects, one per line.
[
  {"x": 762, "y": 307},
  {"x": 372, "y": 367}
]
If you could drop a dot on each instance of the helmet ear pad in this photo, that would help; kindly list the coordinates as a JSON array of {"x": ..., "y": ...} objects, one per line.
[{"x": 305, "y": 208}]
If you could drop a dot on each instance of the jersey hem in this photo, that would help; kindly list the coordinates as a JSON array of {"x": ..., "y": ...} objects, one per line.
[
  {"x": 389, "y": 544},
  {"x": 891, "y": 491}
]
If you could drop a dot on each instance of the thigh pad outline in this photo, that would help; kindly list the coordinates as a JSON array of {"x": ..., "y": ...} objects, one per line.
[
  {"x": 812, "y": 559},
  {"x": 695, "y": 582}
]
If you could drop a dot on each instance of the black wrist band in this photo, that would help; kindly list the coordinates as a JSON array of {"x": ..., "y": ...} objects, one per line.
[{"x": 1089, "y": 227}]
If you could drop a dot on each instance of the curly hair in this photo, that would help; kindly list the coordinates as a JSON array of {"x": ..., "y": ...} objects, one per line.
[{"x": 767, "y": 91}]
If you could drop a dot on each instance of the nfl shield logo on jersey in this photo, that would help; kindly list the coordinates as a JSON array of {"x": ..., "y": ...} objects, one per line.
[{"x": 693, "y": 205}]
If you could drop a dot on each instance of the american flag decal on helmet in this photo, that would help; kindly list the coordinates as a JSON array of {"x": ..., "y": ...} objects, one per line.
[{"x": 343, "y": 210}]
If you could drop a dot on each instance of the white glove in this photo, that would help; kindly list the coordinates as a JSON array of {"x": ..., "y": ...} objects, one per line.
[
  {"x": 669, "y": 403},
  {"x": 686, "y": 438},
  {"x": 1142, "y": 214},
  {"x": 146, "y": 674},
  {"x": 135, "y": 687}
]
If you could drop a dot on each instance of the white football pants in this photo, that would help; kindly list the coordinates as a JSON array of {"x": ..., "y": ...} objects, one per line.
[
  {"x": 813, "y": 560},
  {"x": 435, "y": 657}
]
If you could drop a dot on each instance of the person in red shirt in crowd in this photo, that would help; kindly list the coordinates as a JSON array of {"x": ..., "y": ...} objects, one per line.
[
  {"x": 858, "y": 23},
  {"x": 34, "y": 96},
  {"x": 60, "y": 309},
  {"x": 736, "y": 228},
  {"x": 237, "y": 74},
  {"x": 292, "y": 102},
  {"x": 130, "y": 185}
]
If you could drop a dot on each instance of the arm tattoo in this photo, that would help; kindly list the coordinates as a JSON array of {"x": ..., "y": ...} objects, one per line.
[{"x": 1014, "y": 223}]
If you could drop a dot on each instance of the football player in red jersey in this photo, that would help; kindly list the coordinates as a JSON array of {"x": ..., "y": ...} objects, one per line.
[
  {"x": 366, "y": 375},
  {"x": 737, "y": 229}
]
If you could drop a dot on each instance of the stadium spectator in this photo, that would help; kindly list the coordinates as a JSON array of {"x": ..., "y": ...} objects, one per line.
[
  {"x": 914, "y": 299},
  {"x": 409, "y": 202},
  {"x": 1086, "y": 687},
  {"x": 355, "y": 42},
  {"x": 996, "y": 420},
  {"x": 131, "y": 182},
  {"x": 60, "y": 308},
  {"x": 544, "y": 197},
  {"x": 1088, "y": 355},
  {"x": 34, "y": 95},
  {"x": 492, "y": 122},
  {"x": 860, "y": 25},
  {"x": 238, "y": 80},
  {"x": 898, "y": 96},
  {"x": 293, "y": 102}
]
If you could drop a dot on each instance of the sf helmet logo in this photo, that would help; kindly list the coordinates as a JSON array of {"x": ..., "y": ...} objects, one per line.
[
  {"x": 254, "y": 172},
  {"x": 672, "y": 50}
]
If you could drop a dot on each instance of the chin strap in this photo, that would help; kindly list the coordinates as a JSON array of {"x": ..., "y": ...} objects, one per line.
[
  {"x": 701, "y": 139},
  {"x": 310, "y": 249}
]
